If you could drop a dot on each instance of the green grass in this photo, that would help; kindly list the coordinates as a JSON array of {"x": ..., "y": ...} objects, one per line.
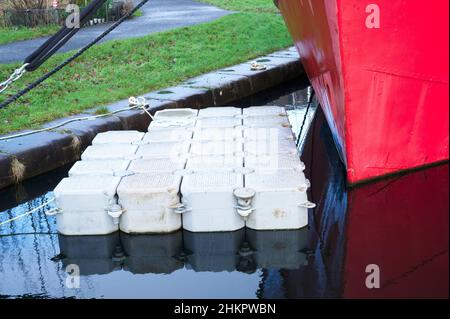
[
  {"x": 119, "y": 69},
  {"x": 12, "y": 34},
  {"x": 101, "y": 110},
  {"x": 245, "y": 5},
  {"x": 138, "y": 13}
]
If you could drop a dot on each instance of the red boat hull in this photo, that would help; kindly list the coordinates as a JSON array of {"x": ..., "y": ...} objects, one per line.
[{"x": 383, "y": 87}]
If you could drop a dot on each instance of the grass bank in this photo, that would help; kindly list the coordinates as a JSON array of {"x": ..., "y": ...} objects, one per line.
[{"x": 117, "y": 69}]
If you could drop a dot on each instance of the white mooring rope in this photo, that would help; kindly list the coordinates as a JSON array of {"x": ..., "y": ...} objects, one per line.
[
  {"x": 138, "y": 102},
  {"x": 30, "y": 212}
]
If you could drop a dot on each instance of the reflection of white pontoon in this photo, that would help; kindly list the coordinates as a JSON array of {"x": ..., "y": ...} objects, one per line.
[{"x": 244, "y": 250}]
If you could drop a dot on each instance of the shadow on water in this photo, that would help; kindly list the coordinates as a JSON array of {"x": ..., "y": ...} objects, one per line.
[
  {"x": 399, "y": 224},
  {"x": 292, "y": 94}
]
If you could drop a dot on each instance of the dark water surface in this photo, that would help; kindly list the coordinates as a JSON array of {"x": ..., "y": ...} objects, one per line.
[{"x": 399, "y": 224}]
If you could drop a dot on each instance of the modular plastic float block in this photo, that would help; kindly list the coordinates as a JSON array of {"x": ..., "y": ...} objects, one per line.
[
  {"x": 86, "y": 193},
  {"x": 266, "y": 121},
  {"x": 163, "y": 164},
  {"x": 274, "y": 161},
  {"x": 149, "y": 201},
  {"x": 264, "y": 133},
  {"x": 118, "y": 137},
  {"x": 175, "y": 114},
  {"x": 278, "y": 249},
  {"x": 220, "y": 111},
  {"x": 270, "y": 146},
  {"x": 84, "y": 201},
  {"x": 163, "y": 149},
  {"x": 215, "y": 122},
  {"x": 217, "y": 134},
  {"x": 168, "y": 135},
  {"x": 158, "y": 125},
  {"x": 264, "y": 111},
  {"x": 209, "y": 201},
  {"x": 99, "y": 167},
  {"x": 174, "y": 118},
  {"x": 278, "y": 199},
  {"x": 84, "y": 222},
  {"x": 213, "y": 251},
  {"x": 230, "y": 161},
  {"x": 152, "y": 253},
  {"x": 204, "y": 148},
  {"x": 109, "y": 151}
]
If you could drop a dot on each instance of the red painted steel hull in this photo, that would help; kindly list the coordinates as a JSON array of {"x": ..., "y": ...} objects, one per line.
[{"x": 384, "y": 90}]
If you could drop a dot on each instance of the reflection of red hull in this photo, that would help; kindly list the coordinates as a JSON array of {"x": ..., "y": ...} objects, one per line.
[
  {"x": 384, "y": 90},
  {"x": 401, "y": 225}
]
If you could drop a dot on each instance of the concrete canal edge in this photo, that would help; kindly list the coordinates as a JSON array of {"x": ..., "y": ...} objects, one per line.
[{"x": 28, "y": 156}]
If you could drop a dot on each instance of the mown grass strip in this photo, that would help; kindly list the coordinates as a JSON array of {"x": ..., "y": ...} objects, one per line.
[{"x": 245, "y": 5}]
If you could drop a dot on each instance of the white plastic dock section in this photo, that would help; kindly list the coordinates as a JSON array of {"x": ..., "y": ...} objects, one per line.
[
  {"x": 209, "y": 200},
  {"x": 149, "y": 200},
  {"x": 84, "y": 203},
  {"x": 99, "y": 167},
  {"x": 217, "y": 169}
]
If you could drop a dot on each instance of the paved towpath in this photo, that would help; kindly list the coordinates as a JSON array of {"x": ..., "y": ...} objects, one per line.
[{"x": 158, "y": 15}]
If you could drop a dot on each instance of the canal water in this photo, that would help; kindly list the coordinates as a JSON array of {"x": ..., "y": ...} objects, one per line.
[{"x": 393, "y": 232}]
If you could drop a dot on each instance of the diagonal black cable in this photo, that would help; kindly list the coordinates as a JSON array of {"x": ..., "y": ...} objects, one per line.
[
  {"x": 73, "y": 57},
  {"x": 49, "y": 47}
]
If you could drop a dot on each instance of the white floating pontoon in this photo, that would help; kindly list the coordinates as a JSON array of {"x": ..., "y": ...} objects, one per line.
[{"x": 217, "y": 169}]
